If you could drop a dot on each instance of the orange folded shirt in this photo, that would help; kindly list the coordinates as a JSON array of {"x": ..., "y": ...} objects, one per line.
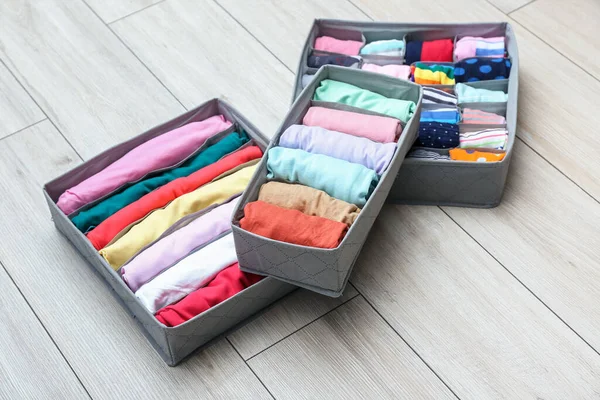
[
  {"x": 292, "y": 226},
  {"x": 110, "y": 227},
  {"x": 476, "y": 155}
]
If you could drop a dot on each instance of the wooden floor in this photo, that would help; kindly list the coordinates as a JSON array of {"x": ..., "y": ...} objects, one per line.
[{"x": 444, "y": 302}]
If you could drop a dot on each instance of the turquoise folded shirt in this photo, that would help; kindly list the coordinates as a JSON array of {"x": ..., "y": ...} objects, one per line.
[
  {"x": 340, "y": 92},
  {"x": 93, "y": 216},
  {"x": 341, "y": 179},
  {"x": 382, "y": 46},
  {"x": 469, "y": 94}
]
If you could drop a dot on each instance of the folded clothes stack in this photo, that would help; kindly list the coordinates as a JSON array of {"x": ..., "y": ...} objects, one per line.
[{"x": 432, "y": 74}]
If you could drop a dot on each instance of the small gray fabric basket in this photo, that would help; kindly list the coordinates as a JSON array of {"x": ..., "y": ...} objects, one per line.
[
  {"x": 428, "y": 181},
  {"x": 325, "y": 271},
  {"x": 172, "y": 343}
]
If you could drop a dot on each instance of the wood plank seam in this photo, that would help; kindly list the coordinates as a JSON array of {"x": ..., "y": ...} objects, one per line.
[
  {"x": 133, "y": 13},
  {"x": 250, "y": 368}
]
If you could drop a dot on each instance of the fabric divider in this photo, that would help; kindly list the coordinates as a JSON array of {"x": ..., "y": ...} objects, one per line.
[
  {"x": 345, "y": 107},
  {"x": 495, "y": 84},
  {"x": 496, "y": 108},
  {"x": 463, "y": 128}
]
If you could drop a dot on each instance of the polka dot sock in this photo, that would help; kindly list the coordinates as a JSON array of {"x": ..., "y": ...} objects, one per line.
[{"x": 481, "y": 69}]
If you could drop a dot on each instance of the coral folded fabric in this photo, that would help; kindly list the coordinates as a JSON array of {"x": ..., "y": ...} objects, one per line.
[
  {"x": 333, "y": 45},
  {"x": 341, "y": 179},
  {"x": 449, "y": 115},
  {"x": 438, "y": 96},
  {"x": 468, "y": 94},
  {"x": 291, "y": 226},
  {"x": 308, "y": 201},
  {"x": 470, "y": 46},
  {"x": 317, "y": 140},
  {"x": 433, "y": 74},
  {"x": 438, "y": 135},
  {"x": 397, "y": 71},
  {"x": 482, "y": 69},
  {"x": 472, "y": 155},
  {"x": 316, "y": 61},
  {"x": 224, "y": 285},
  {"x": 473, "y": 116},
  {"x": 373, "y": 127},
  {"x": 488, "y": 138},
  {"x": 434, "y": 50},
  {"x": 392, "y": 47},
  {"x": 162, "y": 151}
]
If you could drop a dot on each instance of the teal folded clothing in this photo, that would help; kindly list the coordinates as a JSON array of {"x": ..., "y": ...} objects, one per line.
[
  {"x": 340, "y": 92},
  {"x": 93, "y": 216},
  {"x": 392, "y": 47},
  {"x": 469, "y": 94},
  {"x": 341, "y": 179}
]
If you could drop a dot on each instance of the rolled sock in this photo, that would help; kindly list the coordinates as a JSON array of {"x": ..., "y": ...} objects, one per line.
[
  {"x": 481, "y": 69},
  {"x": 373, "y": 127},
  {"x": 174, "y": 247},
  {"x": 341, "y": 179},
  {"x": 470, "y": 46},
  {"x": 317, "y": 140},
  {"x": 468, "y": 94},
  {"x": 449, "y": 115},
  {"x": 316, "y": 61},
  {"x": 308, "y": 201},
  {"x": 291, "y": 226},
  {"x": 344, "y": 93},
  {"x": 426, "y": 154},
  {"x": 437, "y": 96},
  {"x": 226, "y": 284},
  {"x": 476, "y": 155},
  {"x": 384, "y": 47},
  {"x": 438, "y": 135},
  {"x": 162, "y": 151},
  {"x": 157, "y": 222},
  {"x": 397, "y": 71},
  {"x": 488, "y": 138},
  {"x": 306, "y": 79},
  {"x": 333, "y": 45},
  {"x": 425, "y": 74},
  {"x": 413, "y": 51},
  {"x": 434, "y": 50},
  {"x": 189, "y": 274},
  {"x": 473, "y": 116}
]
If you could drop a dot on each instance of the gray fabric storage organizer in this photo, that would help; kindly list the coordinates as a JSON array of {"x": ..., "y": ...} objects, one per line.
[
  {"x": 175, "y": 343},
  {"x": 425, "y": 181},
  {"x": 325, "y": 271}
]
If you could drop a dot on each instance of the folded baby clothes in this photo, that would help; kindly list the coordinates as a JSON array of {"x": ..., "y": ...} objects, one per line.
[
  {"x": 438, "y": 96},
  {"x": 473, "y": 116},
  {"x": 170, "y": 249},
  {"x": 435, "y": 74},
  {"x": 341, "y": 179},
  {"x": 316, "y": 61},
  {"x": 155, "y": 223},
  {"x": 344, "y": 93},
  {"x": 333, "y": 45},
  {"x": 470, "y": 46},
  {"x": 189, "y": 274},
  {"x": 162, "y": 151},
  {"x": 306, "y": 79},
  {"x": 431, "y": 155},
  {"x": 397, "y": 71},
  {"x": 434, "y": 50},
  {"x": 226, "y": 284},
  {"x": 374, "y": 127},
  {"x": 317, "y": 140},
  {"x": 291, "y": 226},
  {"x": 93, "y": 216},
  {"x": 476, "y": 155},
  {"x": 449, "y": 115},
  {"x": 468, "y": 94},
  {"x": 481, "y": 69},
  {"x": 308, "y": 201},
  {"x": 110, "y": 227},
  {"x": 438, "y": 135},
  {"x": 393, "y": 47},
  {"x": 488, "y": 138}
]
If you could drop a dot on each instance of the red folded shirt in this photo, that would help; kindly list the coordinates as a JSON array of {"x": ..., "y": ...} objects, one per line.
[
  {"x": 110, "y": 227},
  {"x": 292, "y": 226},
  {"x": 224, "y": 285},
  {"x": 437, "y": 50}
]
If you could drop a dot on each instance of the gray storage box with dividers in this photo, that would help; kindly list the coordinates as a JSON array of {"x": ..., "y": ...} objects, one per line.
[
  {"x": 172, "y": 343},
  {"x": 428, "y": 181},
  {"x": 324, "y": 270}
]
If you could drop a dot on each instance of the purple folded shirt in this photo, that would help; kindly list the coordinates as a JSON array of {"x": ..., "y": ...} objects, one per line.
[
  {"x": 358, "y": 150},
  {"x": 176, "y": 246}
]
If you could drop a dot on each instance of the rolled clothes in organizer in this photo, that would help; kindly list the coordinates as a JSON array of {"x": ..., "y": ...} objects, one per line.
[
  {"x": 155, "y": 223},
  {"x": 162, "y": 151},
  {"x": 345, "y": 93},
  {"x": 93, "y": 216},
  {"x": 488, "y": 138},
  {"x": 468, "y": 94},
  {"x": 397, "y": 71},
  {"x": 317, "y": 61},
  {"x": 392, "y": 47},
  {"x": 433, "y": 50},
  {"x": 308, "y": 201},
  {"x": 470, "y": 46},
  {"x": 438, "y": 135},
  {"x": 224, "y": 285},
  {"x": 374, "y": 127},
  {"x": 482, "y": 69},
  {"x": 170, "y": 249},
  {"x": 438, "y": 96},
  {"x": 472, "y": 155},
  {"x": 473, "y": 116},
  {"x": 449, "y": 115},
  {"x": 110, "y": 227},
  {"x": 333, "y": 45},
  {"x": 189, "y": 274},
  {"x": 341, "y": 179},
  {"x": 317, "y": 140},
  {"x": 425, "y": 74},
  {"x": 291, "y": 226}
]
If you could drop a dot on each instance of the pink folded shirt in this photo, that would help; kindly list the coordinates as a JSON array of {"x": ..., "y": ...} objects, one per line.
[
  {"x": 176, "y": 246},
  {"x": 374, "y": 127},
  {"x": 333, "y": 45},
  {"x": 397, "y": 71},
  {"x": 163, "y": 151}
]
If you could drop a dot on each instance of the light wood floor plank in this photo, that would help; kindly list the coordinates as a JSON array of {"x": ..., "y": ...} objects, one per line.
[
  {"x": 111, "y": 10},
  {"x": 350, "y": 353},
  {"x": 508, "y": 6},
  {"x": 83, "y": 77},
  {"x": 197, "y": 61},
  {"x": 102, "y": 342}
]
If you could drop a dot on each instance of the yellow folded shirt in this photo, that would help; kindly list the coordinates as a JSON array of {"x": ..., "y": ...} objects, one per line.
[{"x": 155, "y": 223}]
